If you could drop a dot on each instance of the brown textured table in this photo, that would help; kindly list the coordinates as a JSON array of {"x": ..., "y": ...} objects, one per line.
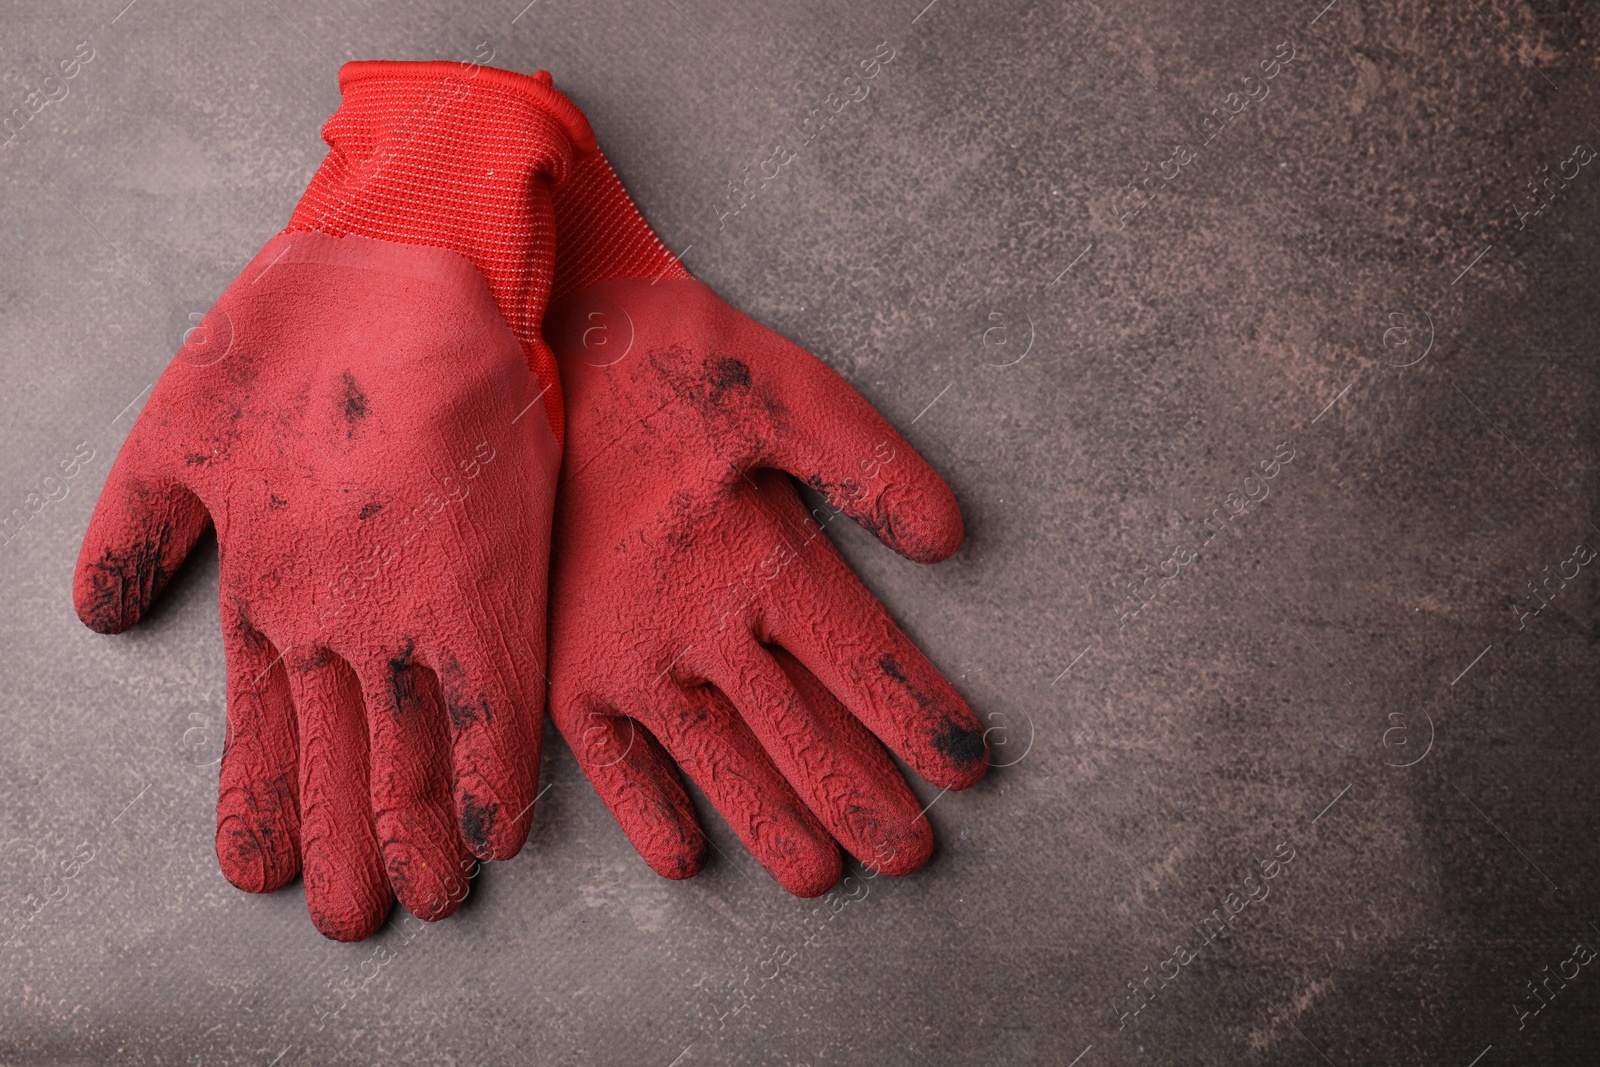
[{"x": 1272, "y": 419}]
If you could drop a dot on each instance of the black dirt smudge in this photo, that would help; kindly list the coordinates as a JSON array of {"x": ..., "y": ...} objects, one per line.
[
  {"x": 122, "y": 585},
  {"x": 957, "y": 741},
  {"x": 402, "y": 682},
  {"x": 852, "y": 499},
  {"x": 316, "y": 659},
  {"x": 681, "y": 531},
  {"x": 693, "y": 862},
  {"x": 245, "y": 628},
  {"x": 727, "y": 373},
  {"x": 465, "y": 706},
  {"x": 355, "y": 403},
  {"x": 465, "y": 713},
  {"x": 477, "y": 823},
  {"x": 368, "y": 511},
  {"x": 706, "y": 383},
  {"x": 962, "y": 744}
]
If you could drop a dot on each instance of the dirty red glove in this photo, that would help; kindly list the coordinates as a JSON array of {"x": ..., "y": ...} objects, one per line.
[
  {"x": 699, "y": 615},
  {"x": 369, "y": 417}
]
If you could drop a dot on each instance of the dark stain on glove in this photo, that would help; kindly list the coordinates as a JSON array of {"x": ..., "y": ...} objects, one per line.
[
  {"x": 477, "y": 823},
  {"x": 402, "y": 683},
  {"x": 355, "y": 404}
]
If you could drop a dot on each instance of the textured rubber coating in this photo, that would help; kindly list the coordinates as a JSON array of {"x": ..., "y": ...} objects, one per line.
[
  {"x": 699, "y": 614},
  {"x": 360, "y": 423}
]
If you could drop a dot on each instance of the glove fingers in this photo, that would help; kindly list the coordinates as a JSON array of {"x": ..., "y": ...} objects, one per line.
[
  {"x": 346, "y": 891},
  {"x": 413, "y": 808},
  {"x": 258, "y": 804},
  {"x": 495, "y": 732},
  {"x": 143, "y": 527},
  {"x": 840, "y": 446},
  {"x": 714, "y": 748},
  {"x": 636, "y": 780},
  {"x": 874, "y": 814},
  {"x": 861, "y": 800},
  {"x": 839, "y": 631}
]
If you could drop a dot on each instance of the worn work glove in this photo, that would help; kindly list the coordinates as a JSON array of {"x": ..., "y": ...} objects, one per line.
[
  {"x": 371, "y": 420},
  {"x": 699, "y": 615}
]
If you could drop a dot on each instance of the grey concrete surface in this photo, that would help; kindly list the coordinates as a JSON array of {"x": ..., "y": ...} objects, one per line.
[{"x": 1344, "y": 672}]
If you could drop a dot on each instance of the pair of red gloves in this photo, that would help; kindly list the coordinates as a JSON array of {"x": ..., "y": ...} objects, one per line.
[{"x": 372, "y": 417}]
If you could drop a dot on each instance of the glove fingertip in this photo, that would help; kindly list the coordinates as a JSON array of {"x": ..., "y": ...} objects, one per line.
[
  {"x": 431, "y": 879},
  {"x": 813, "y": 873},
  {"x": 663, "y": 829},
  {"x": 928, "y": 530},
  {"x": 136, "y": 541},
  {"x": 964, "y": 749},
  {"x": 680, "y": 859},
  {"x": 111, "y": 593},
  {"x": 249, "y": 865},
  {"x": 435, "y": 908},
  {"x": 485, "y": 829},
  {"x": 354, "y": 925},
  {"x": 903, "y": 853},
  {"x": 345, "y": 910},
  {"x": 949, "y": 747},
  {"x": 504, "y": 846}
]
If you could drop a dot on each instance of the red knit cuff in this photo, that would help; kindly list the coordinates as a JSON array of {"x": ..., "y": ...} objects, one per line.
[
  {"x": 536, "y": 89},
  {"x": 602, "y": 235},
  {"x": 456, "y": 156}
]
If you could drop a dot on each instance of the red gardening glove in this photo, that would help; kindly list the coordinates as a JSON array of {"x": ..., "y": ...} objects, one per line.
[
  {"x": 699, "y": 615},
  {"x": 369, "y": 417}
]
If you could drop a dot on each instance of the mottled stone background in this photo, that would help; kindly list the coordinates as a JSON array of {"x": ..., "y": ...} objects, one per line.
[{"x": 1350, "y": 273}]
